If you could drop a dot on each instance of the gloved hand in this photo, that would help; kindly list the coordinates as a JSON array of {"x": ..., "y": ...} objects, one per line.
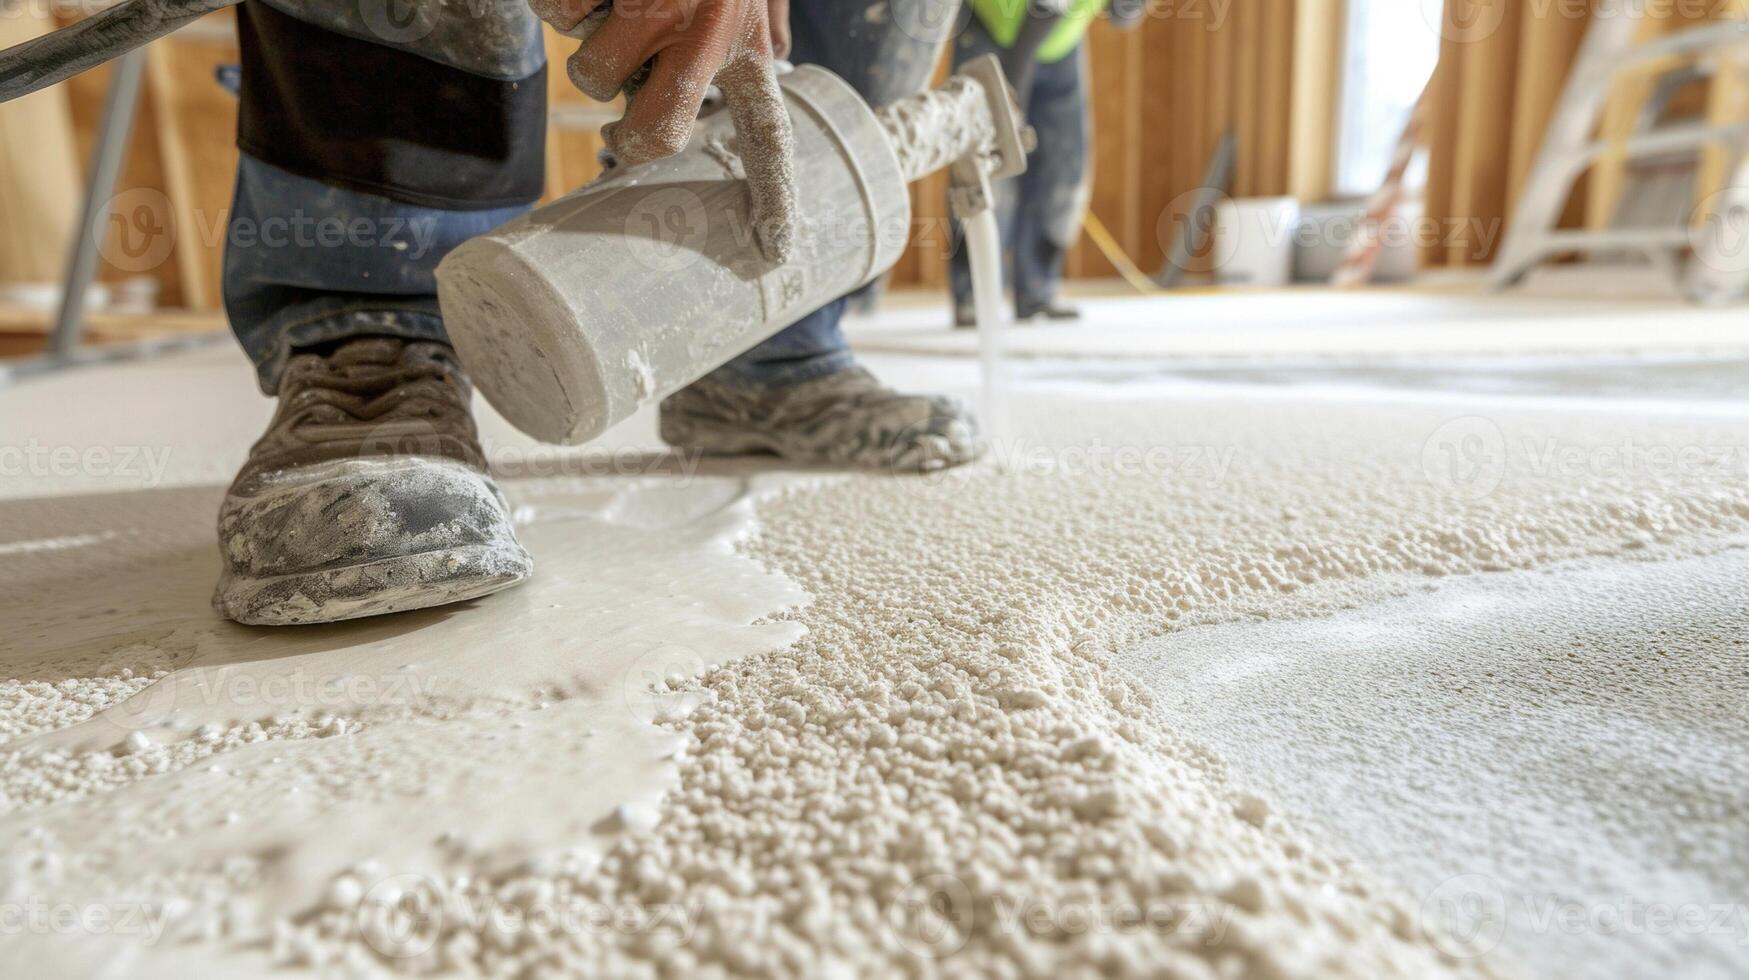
[{"x": 690, "y": 45}]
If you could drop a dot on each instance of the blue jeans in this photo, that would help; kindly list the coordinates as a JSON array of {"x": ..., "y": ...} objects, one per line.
[
  {"x": 308, "y": 261},
  {"x": 1040, "y": 211}
]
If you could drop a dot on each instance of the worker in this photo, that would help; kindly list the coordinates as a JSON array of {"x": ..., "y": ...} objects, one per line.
[
  {"x": 1042, "y": 48},
  {"x": 370, "y": 493}
]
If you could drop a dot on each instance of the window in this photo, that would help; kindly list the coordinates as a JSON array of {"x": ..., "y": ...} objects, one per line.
[{"x": 1389, "y": 52}]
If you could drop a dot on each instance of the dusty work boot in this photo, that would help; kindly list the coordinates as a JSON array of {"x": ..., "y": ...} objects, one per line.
[
  {"x": 369, "y": 493},
  {"x": 842, "y": 419},
  {"x": 1050, "y": 310}
]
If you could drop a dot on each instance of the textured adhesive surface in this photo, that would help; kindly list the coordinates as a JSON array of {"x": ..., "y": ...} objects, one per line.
[
  {"x": 944, "y": 772},
  {"x": 1592, "y": 777}
]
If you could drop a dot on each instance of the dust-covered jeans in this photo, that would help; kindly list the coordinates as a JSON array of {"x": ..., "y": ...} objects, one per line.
[
  {"x": 375, "y": 139},
  {"x": 1040, "y": 211}
]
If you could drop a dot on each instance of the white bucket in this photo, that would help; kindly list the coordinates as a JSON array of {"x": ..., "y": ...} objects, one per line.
[{"x": 1254, "y": 241}]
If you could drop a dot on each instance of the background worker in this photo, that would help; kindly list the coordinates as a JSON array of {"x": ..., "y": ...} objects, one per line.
[{"x": 1040, "y": 212}]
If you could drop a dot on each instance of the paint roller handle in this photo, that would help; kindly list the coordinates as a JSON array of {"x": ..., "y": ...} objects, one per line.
[{"x": 664, "y": 57}]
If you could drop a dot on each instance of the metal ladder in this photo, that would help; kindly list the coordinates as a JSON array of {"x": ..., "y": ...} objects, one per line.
[{"x": 1568, "y": 150}]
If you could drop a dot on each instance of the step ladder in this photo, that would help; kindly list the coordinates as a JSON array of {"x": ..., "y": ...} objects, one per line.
[{"x": 1569, "y": 149}]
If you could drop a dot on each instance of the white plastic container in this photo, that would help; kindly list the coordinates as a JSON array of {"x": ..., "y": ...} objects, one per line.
[
  {"x": 633, "y": 287},
  {"x": 1254, "y": 241}
]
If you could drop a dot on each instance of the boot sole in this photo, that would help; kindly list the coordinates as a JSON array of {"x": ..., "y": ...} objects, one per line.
[
  {"x": 390, "y": 585},
  {"x": 713, "y": 438}
]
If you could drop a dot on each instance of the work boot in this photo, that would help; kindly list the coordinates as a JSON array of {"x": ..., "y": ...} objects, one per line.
[
  {"x": 1049, "y": 310},
  {"x": 368, "y": 494},
  {"x": 842, "y": 419}
]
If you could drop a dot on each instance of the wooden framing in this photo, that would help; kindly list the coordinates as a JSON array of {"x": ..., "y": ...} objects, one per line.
[{"x": 40, "y": 189}]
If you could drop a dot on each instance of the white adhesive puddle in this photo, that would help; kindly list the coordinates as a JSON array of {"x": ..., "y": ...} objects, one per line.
[
  {"x": 236, "y": 786},
  {"x": 1552, "y": 761}
]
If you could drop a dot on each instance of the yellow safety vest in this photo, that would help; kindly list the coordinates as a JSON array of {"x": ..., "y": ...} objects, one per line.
[{"x": 1002, "y": 19}]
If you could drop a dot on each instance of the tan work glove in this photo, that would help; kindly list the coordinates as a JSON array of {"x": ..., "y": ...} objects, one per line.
[{"x": 693, "y": 44}]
